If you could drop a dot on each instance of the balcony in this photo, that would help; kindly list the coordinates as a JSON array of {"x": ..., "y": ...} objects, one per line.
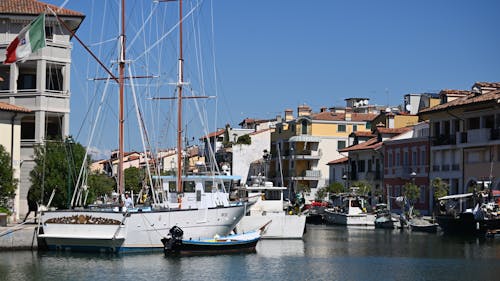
[
  {"x": 306, "y": 175},
  {"x": 444, "y": 140},
  {"x": 305, "y": 154},
  {"x": 478, "y": 136}
]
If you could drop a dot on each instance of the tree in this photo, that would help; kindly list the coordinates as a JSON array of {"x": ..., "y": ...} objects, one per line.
[
  {"x": 440, "y": 188},
  {"x": 412, "y": 192},
  {"x": 333, "y": 188},
  {"x": 7, "y": 182},
  {"x": 99, "y": 185},
  {"x": 57, "y": 165},
  {"x": 364, "y": 187},
  {"x": 133, "y": 179},
  {"x": 245, "y": 139}
]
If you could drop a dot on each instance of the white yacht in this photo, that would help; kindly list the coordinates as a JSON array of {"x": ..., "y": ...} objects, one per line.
[{"x": 269, "y": 207}]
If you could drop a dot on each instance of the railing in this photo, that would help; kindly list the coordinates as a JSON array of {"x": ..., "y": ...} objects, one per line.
[{"x": 444, "y": 140}]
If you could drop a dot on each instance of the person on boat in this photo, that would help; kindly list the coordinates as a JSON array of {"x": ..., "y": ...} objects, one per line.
[
  {"x": 129, "y": 203},
  {"x": 32, "y": 204}
]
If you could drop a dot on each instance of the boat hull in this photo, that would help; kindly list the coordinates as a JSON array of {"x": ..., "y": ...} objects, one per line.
[
  {"x": 132, "y": 232},
  {"x": 466, "y": 224},
  {"x": 332, "y": 217},
  {"x": 281, "y": 226}
]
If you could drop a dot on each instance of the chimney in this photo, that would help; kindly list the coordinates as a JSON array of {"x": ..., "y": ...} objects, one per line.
[
  {"x": 303, "y": 110},
  {"x": 279, "y": 119},
  {"x": 288, "y": 115},
  {"x": 348, "y": 116},
  {"x": 323, "y": 109}
]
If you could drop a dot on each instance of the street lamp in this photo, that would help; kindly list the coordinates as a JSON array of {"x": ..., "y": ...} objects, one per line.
[{"x": 413, "y": 175}]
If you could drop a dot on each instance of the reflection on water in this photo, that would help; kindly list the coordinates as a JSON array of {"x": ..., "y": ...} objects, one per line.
[{"x": 325, "y": 253}]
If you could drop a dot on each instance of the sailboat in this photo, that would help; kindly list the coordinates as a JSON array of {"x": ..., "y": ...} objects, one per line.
[{"x": 198, "y": 204}]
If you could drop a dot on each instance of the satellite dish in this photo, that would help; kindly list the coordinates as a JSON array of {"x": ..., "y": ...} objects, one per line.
[
  {"x": 387, "y": 110},
  {"x": 408, "y": 107},
  {"x": 365, "y": 102}
]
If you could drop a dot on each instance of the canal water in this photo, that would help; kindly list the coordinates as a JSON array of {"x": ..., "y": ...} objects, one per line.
[{"x": 325, "y": 253}]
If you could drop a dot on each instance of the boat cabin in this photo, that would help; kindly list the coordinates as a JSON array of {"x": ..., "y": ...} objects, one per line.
[{"x": 198, "y": 191}]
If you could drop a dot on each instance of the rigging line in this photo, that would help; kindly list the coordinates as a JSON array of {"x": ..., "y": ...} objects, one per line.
[
  {"x": 91, "y": 137},
  {"x": 143, "y": 130},
  {"x": 186, "y": 16},
  {"x": 141, "y": 29},
  {"x": 216, "y": 88},
  {"x": 102, "y": 42}
]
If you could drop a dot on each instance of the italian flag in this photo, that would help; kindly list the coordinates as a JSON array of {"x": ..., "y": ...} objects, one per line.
[{"x": 30, "y": 39}]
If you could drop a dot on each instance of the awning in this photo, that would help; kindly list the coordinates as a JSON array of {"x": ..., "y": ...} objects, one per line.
[
  {"x": 304, "y": 138},
  {"x": 455, "y": 196}
]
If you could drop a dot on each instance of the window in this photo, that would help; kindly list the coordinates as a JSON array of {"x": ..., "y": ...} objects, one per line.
[
  {"x": 26, "y": 81},
  {"x": 389, "y": 160},
  {"x": 341, "y": 128},
  {"x": 422, "y": 157},
  {"x": 189, "y": 186},
  {"x": 414, "y": 158},
  {"x": 361, "y": 165},
  {"x": 304, "y": 127},
  {"x": 340, "y": 144},
  {"x": 368, "y": 125},
  {"x": 54, "y": 77},
  {"x": 354, "y": 128},
  {"x": 397, "y": 163},
  {"x": 473, "y": 123}
]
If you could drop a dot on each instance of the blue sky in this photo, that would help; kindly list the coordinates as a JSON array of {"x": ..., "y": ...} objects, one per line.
[{"x": 273, "y": 55}]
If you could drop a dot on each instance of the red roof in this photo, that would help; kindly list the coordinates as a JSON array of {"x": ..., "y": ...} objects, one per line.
[
  {"x": 398, "y": 131},
  {"x": 10, "y": 107},
  {"x": 363, "y": 134},
  {"x": 372, "y": 143},
  {"x": 469, "y": 99},
  {"x": 331, "y": 116},
  {"x": 338, "y": 161},
  {"x": 32, "y": 7},
  {"x": 214, "y": 134}
]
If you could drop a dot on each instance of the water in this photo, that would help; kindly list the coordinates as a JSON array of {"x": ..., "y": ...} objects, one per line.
[{"x": 326, "y": 253}]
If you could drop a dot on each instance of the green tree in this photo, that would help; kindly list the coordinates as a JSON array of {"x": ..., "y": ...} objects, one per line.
[
  {"x": 99, "y": 185},
  {"x": 7, "y": 182},
  {"x": 364, "y": 188},
  {"x": 440, "y": 188},
  {"x": 245, "y": 139},
  {"x": 57, "y": 165},
  {"x": 412, "y": 192},
  {"x": 133, "y": 179},
  {"x": 333, "y": 188}
]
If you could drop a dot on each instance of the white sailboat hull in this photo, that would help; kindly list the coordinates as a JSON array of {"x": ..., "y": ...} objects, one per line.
[
  {"x": 136, "y": 231},
  {"x": 281, "y": 226}
]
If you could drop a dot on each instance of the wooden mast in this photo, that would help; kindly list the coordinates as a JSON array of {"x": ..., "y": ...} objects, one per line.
[
  {"x": 121, "y": 177},
  {"x": 179, "y": 105}
]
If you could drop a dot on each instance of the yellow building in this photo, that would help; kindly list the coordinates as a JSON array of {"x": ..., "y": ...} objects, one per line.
[{"x": 302, "y": 146}]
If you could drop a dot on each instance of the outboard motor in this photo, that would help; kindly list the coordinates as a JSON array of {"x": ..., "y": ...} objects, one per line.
[{"x": 173, "y": 242}]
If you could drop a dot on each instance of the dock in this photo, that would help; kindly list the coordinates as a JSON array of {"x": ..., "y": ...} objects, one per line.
[{"x": 15, "y": 237}]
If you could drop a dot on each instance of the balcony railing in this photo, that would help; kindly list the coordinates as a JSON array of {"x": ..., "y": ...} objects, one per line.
[{"x": 444, "y": 140}]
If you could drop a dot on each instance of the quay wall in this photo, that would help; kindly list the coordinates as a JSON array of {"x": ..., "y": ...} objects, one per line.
[{"x": 18, "y": 237}]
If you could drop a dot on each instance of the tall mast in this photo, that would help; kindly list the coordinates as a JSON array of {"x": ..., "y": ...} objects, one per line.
[
  {"x": 121, "y": 177},
  {"x": 179, "y": 105}
]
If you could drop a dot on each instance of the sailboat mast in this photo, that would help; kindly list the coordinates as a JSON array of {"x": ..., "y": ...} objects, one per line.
[
  {"x": 179, "y": 105},
  {"x": 121, "y": 178}
]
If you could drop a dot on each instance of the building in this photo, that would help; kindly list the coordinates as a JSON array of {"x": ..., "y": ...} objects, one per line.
[
  {"x": 465, "y": 137},
  {"x": 406, "y": 159},
  {"x": 302, "y": 146},
  {"x": 10, "y": 132},
  {"x": 41, "y": 83}
]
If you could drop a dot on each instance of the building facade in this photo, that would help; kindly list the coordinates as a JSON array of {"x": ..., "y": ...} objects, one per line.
[{"x": 41, "y": 83}]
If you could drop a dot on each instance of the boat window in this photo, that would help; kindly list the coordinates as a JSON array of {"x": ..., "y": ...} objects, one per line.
[
  {"x": 273, "y": 195},
  {"x": 355, "y": 203},
  {"x": 210, "y": 186},
  {"x": 172, "y": 186},
  {"x": 189, "y": 186}
]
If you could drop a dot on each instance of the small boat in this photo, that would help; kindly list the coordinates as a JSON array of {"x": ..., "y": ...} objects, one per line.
[
  {"x": 422, "y": 225},
  {"x": 349, "y": 209},
  {"x": 174, "y": 244},
  {"x": 384, "y": 218}
]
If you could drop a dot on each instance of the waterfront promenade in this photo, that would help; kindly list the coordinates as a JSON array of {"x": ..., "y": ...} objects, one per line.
[{"x": 18, "y": 237}]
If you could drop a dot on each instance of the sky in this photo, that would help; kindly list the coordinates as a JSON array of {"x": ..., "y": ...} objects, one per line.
[{"x": 273, "y": 55}]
